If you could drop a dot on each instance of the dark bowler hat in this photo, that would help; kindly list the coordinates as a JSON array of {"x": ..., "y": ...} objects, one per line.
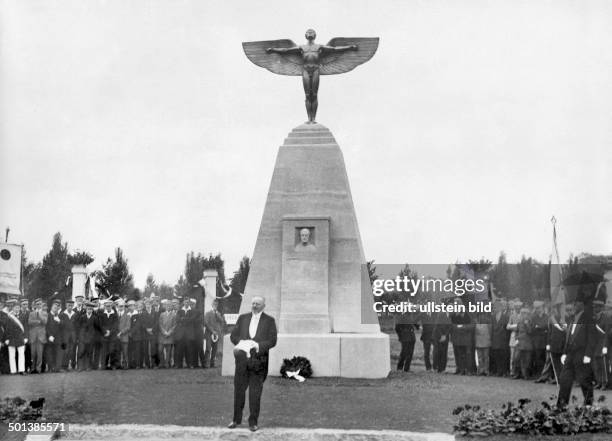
[
  {"x": 90, "y": 304},
  {"x": 69, "y": 301},
  {"x": 37, "y": 300}
]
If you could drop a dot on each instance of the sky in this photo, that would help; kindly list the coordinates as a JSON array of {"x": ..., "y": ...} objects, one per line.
[{"x": 142, "y": 125}]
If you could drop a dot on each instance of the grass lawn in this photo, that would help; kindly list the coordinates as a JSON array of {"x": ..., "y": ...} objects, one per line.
[{"x": 415, "y": 401}]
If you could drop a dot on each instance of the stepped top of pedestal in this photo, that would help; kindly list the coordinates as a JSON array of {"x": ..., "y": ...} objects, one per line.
[{"x": 310, "y": 134}]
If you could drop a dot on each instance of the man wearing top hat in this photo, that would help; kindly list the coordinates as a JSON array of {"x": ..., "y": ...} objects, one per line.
[
  {"x": 55, "y": 331},
  {"x": 579, "y": 349},
  {"x": 37, "y": 323}
]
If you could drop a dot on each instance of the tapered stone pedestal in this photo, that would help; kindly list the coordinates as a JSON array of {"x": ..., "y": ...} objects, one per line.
[{"x": 317, "y": 290}]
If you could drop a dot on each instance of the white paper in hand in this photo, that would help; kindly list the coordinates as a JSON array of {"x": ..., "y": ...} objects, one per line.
[{"x": 246, "y": 346}]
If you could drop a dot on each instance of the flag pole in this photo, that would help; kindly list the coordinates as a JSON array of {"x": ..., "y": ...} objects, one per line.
[{"x": 555, "y": 288}]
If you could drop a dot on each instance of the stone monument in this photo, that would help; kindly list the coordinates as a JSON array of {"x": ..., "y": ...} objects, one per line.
[{"x": 308, "y": 261}]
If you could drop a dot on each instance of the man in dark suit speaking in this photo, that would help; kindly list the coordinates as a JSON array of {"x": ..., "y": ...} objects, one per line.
[{"x": 254, "y": 335}]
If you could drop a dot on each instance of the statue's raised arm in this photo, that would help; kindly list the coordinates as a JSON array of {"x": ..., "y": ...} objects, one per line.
[
  {"x": 311, "y": 60},
  {"x": 346, "y": 54},
  {"x": 284, "y": 57}
]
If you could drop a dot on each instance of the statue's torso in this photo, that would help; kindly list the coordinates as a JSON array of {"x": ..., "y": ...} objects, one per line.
[{"x": 311, "y": 52}]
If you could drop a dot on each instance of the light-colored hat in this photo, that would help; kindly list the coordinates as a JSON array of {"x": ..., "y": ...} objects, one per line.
[
  {"x": 131, "y": 302},
  {"x": 120, "y": 302}
]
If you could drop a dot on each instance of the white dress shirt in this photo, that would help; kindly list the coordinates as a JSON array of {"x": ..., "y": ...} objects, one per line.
[{"x": 253, "y": 325}]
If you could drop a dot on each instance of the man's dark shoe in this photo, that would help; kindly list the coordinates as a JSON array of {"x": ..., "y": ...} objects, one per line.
[
  {"x": 253, "y": 428},
  {"x": 232, "y": 425}
]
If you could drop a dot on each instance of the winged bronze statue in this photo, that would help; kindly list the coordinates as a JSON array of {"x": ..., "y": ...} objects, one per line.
[{"x": 310, "y": 60}]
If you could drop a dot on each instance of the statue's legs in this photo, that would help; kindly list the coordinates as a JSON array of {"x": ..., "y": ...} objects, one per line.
[
  {"x": 310, "y": 80},
  {"x": 315, "y": 91}
]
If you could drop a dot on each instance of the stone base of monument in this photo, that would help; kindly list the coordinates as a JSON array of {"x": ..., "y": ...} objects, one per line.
[
  {"x": 310, "y": 266},
  {"x": 331, "y": 355}
]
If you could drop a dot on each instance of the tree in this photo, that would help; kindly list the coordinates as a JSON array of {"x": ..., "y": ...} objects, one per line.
[
  {"x": 372, "y": 271},
  {"x": 479, "y": 267},
  {"x": 165, "y": 291},
  {"x": 401, "y": 296},
  {"x": 500, "y": 276},
  {"x": 30, "y": 272},
  {"x": 529, "y": 281},
  {"x": 238, "y": 285},
  {"x": 195, "y": 264},
  {"x": 239, "y": 280},
  {"x": 115, "y": 276},
  {"x": 150, "y": 285},
  {"x": 54, "y": 272}
]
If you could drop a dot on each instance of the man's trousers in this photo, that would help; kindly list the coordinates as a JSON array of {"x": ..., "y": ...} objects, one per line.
[
  {"x": 244, "y": 379},
  {"x": 575, "y": 369},
  {"x": 16, "y": 354},
  {"x": 440, "y": 355},
  {"x": 405, "y": 357}
]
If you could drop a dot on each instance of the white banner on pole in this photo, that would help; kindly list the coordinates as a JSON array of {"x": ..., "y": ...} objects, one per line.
[{"x": 10, "y": 268}]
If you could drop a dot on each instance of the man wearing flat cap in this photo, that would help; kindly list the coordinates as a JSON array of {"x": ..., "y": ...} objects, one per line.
[
  {"x": 55, "y": 331},
  {"x": 123, "y": 334},
  {"x": 69, "y": 318},
  {"x": 150, "y": 323},
  {"x": 109, "y": 327},
  {"x": 539, "y": 335},
  {"x": 184, "y": 335},
  {"x": 24, "y": 316},
  {"x": 88, "y": 330},
  {"x": 37, "y": 322}
]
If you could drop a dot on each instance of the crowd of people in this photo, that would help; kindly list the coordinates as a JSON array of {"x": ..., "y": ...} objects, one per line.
[
  {"x": 514, "y": 340},
  {"x": 107, "y": 334}
]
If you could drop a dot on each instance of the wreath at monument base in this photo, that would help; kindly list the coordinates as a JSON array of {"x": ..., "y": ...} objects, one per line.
[{"x": 298, "y": 368}]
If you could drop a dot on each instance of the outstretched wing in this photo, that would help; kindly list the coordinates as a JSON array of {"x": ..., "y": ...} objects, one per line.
[
  {"x": 340, "y": 62},
  {"x": 282, "y": 64}
]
